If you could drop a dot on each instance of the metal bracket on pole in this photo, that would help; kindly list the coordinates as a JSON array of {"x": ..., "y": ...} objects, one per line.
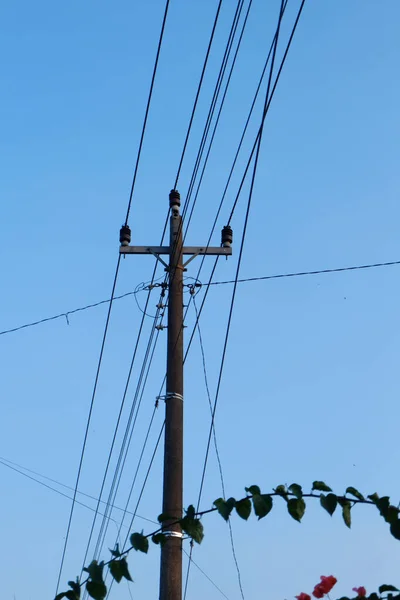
[
  {"x": 158, "y": 258},
  {"x": 191, "y": 258}
]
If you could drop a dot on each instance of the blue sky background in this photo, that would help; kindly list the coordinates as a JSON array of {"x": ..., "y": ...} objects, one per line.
[{"x": 310, "y": 389}]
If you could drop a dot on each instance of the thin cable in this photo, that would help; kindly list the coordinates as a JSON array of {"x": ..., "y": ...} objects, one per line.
[
  {"x": 237, "y": 275},
  {"x": 247, "y": 279},
  {"x": 241, "y": 253},
  {"x": 114, "y": 285},
  {"x": 232, "y": 541},
  {"x": 117, "y": 427},
  {"x": 218, "y": 118},
  {"x": 147, "y": 110},
  {"x": 88, "y": 424},
  {"x": 206, "y": 576},
  {"x": 125, "y": 449},
  {"x": 214, "y": 99},
  {"x": 198, "y": 93},
  {"x": 49, "y": 487},
  {"x": 8, "y": 463},
  {"x": 266, "y": 108}
]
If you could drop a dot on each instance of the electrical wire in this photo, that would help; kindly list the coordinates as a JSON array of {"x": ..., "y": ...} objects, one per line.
[
  {"x": 206, "y": 576},
  {"x": 213, "y": 104},
  {"x": 236, "y": 277},
  {"x": 230, "y": 281},
  {"x": 87, "y": 426},
  {"x": 241, "y": 250},
  {"x": 110, "y": 305},
  {"x": 197, "y": 93},
  {"x": 218, "y": 117},
  {"x": 232, "y": 541},
  {"x": 117, "y": 427},
  {"x": 126, "y": 445},
  {"x": 147, "y": 109},
  {"x": 9, "y": 464}
]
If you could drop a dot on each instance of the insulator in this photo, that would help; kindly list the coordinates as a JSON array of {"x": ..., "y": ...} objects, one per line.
[
  {"x": 174, "y": 200},
  {"x": 226, "y": 236},
  {"x": 125, "y": 235}
]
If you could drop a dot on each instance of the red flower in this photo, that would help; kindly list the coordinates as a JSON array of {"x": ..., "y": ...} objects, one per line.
[
  {"x": 318, "y": 591},
  {"x": 325, "y": 586},
  {"x": 303, "y": 596},
  {"x": 361, "y": 591}
]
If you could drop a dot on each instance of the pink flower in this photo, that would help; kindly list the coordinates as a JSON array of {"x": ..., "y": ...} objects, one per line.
[
  {"x": 361, "y": 591},
  {"x": 303, "y": 596},
  {"x": 325, "y": 586}
]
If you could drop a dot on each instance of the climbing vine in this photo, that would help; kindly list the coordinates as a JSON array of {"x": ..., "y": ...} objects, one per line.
[{"x": 261, "y": 505}]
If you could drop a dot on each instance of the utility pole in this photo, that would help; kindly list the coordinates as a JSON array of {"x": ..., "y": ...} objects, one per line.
[{"x": 171, "y": 551}]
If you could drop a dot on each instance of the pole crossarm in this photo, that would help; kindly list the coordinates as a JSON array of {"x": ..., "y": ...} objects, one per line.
[{"x": 187, "y": 250}]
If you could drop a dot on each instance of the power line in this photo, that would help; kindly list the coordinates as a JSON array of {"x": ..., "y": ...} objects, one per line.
[
  {"x": 12, "y": 465},
  {"x": 213, "y": 104},
  {"x": 147, "y": 109},
  {"x": 198, "y": 93},
  {"x": 237, "y": 271},
  {"x": 110, "y": 305},
  {"x": 267, "y": 96},
  {"x": 303, "y": 273},
  {"x": 206, "y": 576},
  {"x": 203, "y": 356},
  {"x": 245, "y": 280},
  {"x": 88, "y": 425}
]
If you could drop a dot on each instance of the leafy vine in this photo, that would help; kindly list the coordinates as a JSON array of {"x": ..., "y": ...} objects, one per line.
[{"x": 254, "y": 501}]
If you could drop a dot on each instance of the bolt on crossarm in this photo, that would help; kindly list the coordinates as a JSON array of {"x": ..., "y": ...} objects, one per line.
[{"x": 171, "y": 551}]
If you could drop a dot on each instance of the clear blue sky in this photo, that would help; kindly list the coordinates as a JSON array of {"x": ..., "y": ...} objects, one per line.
[{"x": 310, "y": 390}]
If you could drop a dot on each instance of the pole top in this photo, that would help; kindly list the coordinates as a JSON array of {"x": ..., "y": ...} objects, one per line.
[{"x": 174, "y": 201}]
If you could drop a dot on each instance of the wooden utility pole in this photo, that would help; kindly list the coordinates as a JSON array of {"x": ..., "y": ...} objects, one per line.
[{"x": 171, "y": 551}]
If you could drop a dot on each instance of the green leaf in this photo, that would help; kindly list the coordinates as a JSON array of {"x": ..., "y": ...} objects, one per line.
[
  {"x": 116, "y": 553},
  {"x": 95, "y": 571},
  {"x": 193, "y": 528},
  {"x": 374, "y": 497},
  {"x": 76, "y": 589},
  {"x": 191, "y": 512},
  {"x": 243, "y": 508},
  {"x": 96, "y": 590},
  {"x": 388, "y": 512},
  {"x": 352, "y": 490},
  {"x": 119, "y": 569},
  {"x": 253, "y": 489},
  {"x": 73, "y": 594},
  {"x": 395, "y": 529},
  {"x": 262, "y": 504},
  {"x": 139, "y": 542},
  {"x": 165, "y": 517},
  {"x": 159, "y": 538},
  {"x": 296, "y": 508},
  {"x": 281, "y": 491},
  {"x": 329, "y": 502},
  {"x": 373, "y": 597},
  {"x": 392, "y": 515},
  {"x": 387, "y": 588},
  {"x": 295, "y": 488},
  {"x": 320, "y": 486},
  {"x": 225, "y": 507},
  {"x": 346, "y": 508}
]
